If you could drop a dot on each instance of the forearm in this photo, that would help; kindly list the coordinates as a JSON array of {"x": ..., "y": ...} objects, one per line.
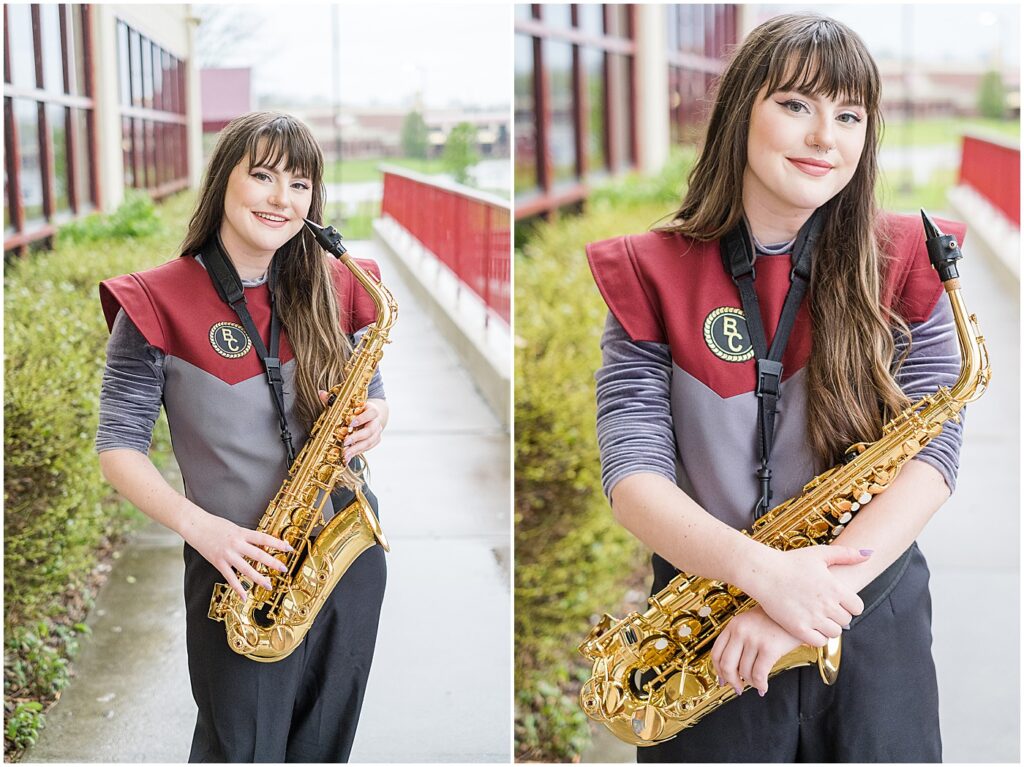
[
  {"x": 135, "y": 477},
  {"x": 671, "y": 523},
  {"x": 892, "y": 521}
]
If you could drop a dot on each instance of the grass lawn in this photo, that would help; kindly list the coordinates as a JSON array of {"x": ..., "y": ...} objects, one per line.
[
  {"x": 945, "y": 130},
  {"x": 366, "y": 169}
]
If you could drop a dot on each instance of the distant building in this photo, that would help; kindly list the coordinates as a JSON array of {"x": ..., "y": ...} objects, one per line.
[
  {"x": 377, "y": 131},
  {"x": 940, "y": 90},
  {"x": 97, "y": 99},
  {"x": 603, "y": 89},
  {"x": 226, "y": 93}
]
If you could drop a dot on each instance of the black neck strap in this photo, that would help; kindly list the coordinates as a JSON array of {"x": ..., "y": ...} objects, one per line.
[
  {"x": 229, "y": 287},
  {"x": 738, "y": 259}
]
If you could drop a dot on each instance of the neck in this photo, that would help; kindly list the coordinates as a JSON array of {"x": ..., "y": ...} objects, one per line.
[
  {"x": 250, "y": 265},
  {"x": 772, "y": 223}
]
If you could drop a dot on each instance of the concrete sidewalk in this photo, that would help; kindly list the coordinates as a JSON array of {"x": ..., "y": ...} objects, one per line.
[
  {"x": 972, "y": 547},
  {"x": 440, "y": 687}
]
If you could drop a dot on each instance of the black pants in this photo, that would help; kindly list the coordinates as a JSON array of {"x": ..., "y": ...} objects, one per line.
[
  {"x": 884, "y": 707},
  {"x": 303, "y": 708}
]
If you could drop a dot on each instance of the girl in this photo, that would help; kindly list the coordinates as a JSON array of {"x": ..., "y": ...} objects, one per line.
[
  {"x": 689, "y": 456},
  {"x": 174, "y": 340}
]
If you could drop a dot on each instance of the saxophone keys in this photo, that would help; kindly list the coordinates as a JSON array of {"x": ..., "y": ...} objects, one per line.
[
  {"x": 686, "y": 627},
  {"x": 647, "y": 723},
  {"x": 612, "y": 699},
  {"x": 864, "y": 498},
  {"x": 845, "y": 519}
]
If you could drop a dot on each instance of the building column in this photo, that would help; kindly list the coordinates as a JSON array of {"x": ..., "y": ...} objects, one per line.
[
  {"x": 193, "y": 107},
  {"x": 652, "y": 88},
  {"x": 107, "y": 110}
]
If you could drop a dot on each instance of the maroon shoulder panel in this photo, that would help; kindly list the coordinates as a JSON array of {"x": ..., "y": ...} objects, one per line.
[
  {"x": 177, "y": 309},
  {"x": 357, "y": 308},
  {"x": 912, "y": 287},
  {"x": 669, "y": 289}
]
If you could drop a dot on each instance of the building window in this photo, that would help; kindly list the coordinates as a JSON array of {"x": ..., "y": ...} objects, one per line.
[
  {"x": 153, "y": 131},
  {"x": 49, "y": 120},
  {"x": 575, "y": 94},
  {"x": 699, "y": 38}
]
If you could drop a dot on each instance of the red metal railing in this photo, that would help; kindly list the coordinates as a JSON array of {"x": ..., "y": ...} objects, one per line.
[
  {"x": 468, "y": 231},
  {"x": 993, "y": 170}
]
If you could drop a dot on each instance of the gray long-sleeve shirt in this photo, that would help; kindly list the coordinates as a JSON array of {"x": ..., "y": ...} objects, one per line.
[
  {"x": 132, "y": 389},
  {"x": 653, "y": 417}
]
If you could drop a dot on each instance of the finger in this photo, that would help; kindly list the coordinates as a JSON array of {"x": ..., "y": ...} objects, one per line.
[
  {"x": 762, "y": 668},
  {"x": 363, "y": 440},
  {"x": 814, "y": 638},
  {"x": 841, "y": 616},
  {"x": 746, "y": 664},
  {"x": 852, "y": 603},
  {"x": 259, "y": 555},
  {"x": 729, "y": 669},
  {"x": 268, "y": 541},
  {"x": 250, "y": 572},
  {"x": 233, "y": 582},
  {"x": 364, "y": 416},
  {"x": 845, "y": 555},
  {"x": 830, "y": 628}
]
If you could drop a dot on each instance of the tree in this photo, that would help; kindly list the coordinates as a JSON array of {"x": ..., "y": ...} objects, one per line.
[
  {"x": 460, "y": 151},
  {"x": 414, "y": 135},
  {"x": 992, "y": 96}
]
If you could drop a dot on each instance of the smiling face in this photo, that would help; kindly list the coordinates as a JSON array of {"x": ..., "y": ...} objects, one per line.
[
  {"x": 802, "y": 150},
  {"x": 263, "y": 209}
]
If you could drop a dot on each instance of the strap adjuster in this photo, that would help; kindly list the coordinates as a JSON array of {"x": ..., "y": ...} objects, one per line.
[
  {"x": 273, "y": 365},
  {"x": 769, "y": 378}
]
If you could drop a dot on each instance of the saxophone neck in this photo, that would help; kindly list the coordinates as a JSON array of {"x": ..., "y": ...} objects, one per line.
[{"x": 975, "y": 372}]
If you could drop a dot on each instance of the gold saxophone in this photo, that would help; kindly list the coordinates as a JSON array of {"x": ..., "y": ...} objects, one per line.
[
  {"x": 271, "y": 623},
  {"x": 653, "y": 674}
]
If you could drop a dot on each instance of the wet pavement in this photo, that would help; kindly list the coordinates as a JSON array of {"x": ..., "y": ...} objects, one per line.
[
  {"x": 973, "y": 549},
  {"x": 440, "y": 686}
]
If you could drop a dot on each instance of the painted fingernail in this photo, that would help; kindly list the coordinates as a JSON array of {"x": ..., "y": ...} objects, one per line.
[
  {"x": 761, "y": 692},
  {"x": 866, "y": 552},
  {"x": 846, "y": 627},
  {"x": 720, "y": 682}
]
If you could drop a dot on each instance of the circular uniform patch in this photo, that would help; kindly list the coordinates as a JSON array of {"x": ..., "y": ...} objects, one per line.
[
  {"x": 230, "y": 340},
  {"x": 726, "y": 334}
]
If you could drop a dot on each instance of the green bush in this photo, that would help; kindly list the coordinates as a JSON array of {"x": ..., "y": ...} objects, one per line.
[
  {"x": 572, "y": 560},
  {"x": 58, "y": 510}
]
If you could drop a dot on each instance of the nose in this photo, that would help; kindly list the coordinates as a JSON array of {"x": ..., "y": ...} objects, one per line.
[
  {"x": 823, "y": 135},
  {"x": 279, "y": 195}
]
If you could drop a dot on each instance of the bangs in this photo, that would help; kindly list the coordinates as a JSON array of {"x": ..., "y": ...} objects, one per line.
[
  {"x": 824, "y": 59},
  {"x": 284, "y": 143}
]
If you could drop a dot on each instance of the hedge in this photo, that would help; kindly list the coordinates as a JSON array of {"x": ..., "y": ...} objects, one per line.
[
  {"x": 572, "y": 560},
  {"x": 59, "y": 513}
]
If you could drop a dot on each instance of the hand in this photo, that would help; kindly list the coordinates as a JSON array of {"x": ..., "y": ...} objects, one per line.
[
  {"x": 747, "y": 649},
  {"x": 228, "y": 547},
  {"x": 798, "y": 592},
  {"x": 367, "y": 426}
]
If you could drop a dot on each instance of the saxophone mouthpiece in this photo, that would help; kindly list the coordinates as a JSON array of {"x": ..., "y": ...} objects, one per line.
[
  {"x": 328, "y": 237},
  {"x": 943, "y": 249}
]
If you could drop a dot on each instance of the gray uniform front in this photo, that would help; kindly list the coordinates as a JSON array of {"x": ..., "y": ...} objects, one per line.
[
  {"x": 654, "y": 417},
  {"x": 225, "y": 438}
]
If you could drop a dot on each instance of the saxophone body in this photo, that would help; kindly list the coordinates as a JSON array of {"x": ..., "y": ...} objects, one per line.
[
  {"x": 653, "y": 675},
  {"x": 271, "y": 623}
]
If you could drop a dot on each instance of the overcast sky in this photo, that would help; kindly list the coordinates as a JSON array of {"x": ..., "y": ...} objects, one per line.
[
  {"x": 935, "y": 32},
  {"x": 456, "y": 53}
]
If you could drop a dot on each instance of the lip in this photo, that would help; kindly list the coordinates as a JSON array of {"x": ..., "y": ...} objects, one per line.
[
  {"x": 267, "y": 222},
  {"x": 811, "y": 166}
]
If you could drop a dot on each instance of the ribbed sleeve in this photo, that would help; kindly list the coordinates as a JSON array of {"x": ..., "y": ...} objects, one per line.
[
  {"x": 934, "y": 361},
  {"x": 132, "y": 389},
  {"x": 634, "y": 420}
]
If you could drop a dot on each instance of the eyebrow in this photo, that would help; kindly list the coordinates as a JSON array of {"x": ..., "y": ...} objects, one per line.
[
  {"x": 277, "y": 169},
  {"x": 814, "y": 97}
]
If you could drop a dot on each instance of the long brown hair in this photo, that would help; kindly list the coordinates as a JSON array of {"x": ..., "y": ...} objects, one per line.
[
  {"x": 851, "y": 388},
  {"x": 304, "y": 293}
]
